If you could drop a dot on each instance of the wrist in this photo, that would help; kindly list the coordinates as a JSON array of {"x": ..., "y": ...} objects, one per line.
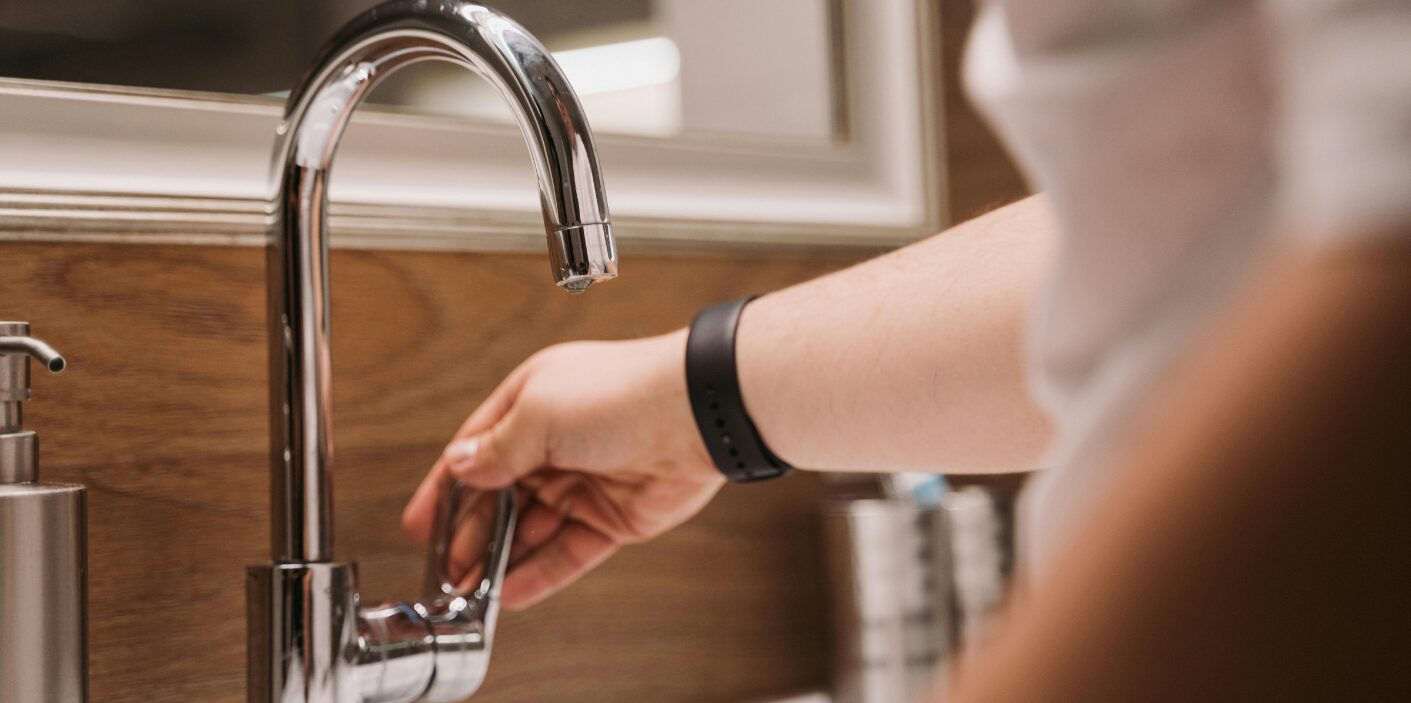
[
  {"x": 713, "y": 384},
  {"x": 685, "y": 444}
]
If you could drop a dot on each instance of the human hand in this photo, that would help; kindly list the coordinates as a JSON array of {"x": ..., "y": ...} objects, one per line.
[{"x": 600, "y": 441}]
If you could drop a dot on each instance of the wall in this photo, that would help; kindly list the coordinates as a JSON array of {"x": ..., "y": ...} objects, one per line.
[
  {"x": 162, "y": 414},
  {"x": 979, "y": 173}
]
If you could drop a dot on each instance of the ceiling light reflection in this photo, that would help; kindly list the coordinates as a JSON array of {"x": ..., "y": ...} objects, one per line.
[{"x": 612, "y": 67}]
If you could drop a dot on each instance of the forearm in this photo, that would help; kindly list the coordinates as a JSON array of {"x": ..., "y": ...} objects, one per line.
[
  {"x": 1256, "y": 549},
  {"x": 913, "y": 360}
]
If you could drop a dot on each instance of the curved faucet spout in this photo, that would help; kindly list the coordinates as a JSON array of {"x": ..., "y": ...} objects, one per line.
[
  {"x": 386, "y": 38},
  {"x": 308, "y": 639}
]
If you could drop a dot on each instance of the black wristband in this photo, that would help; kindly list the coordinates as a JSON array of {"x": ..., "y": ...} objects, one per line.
[{"x": 714, "y": 387}]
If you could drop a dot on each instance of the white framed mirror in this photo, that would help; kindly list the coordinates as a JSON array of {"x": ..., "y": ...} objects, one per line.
[{"x": 808, "y": 122}]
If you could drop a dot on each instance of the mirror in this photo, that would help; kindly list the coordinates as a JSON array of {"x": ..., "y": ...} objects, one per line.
[{"x": 761, "y": 69}]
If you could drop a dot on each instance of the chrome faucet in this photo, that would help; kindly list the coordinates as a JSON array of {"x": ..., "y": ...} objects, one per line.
[{"x": 309, "y": 640}]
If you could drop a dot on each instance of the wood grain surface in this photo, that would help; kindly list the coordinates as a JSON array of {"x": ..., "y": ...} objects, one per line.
[
  {"x": 979, "y": 173},
  {"x": 162, "y": 413}
]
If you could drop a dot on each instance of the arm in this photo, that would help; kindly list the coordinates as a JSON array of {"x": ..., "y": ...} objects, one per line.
[
  {"x": 913, "y": 360},
  {"x": 616, "y": 458},
  {"x": 1257, "y": 550}
]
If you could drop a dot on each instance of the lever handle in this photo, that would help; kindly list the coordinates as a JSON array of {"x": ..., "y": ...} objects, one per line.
[
  {"x": 439, "y": 581},
  {"x": 463, "y": 623},
  {"x": 438, "y": 649}
]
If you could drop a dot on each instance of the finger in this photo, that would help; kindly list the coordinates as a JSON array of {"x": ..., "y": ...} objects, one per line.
[
  {"x": 475, "y": 542},
  {"x": 470, "y": 582},
  {"x": 421, "y": 508},
  {"x": 496, "y": 405},
  {"x": 471, "y": 537},
  {"x": 573, "y": 552},
  {"x": 593, "y": 502},
  {"x": 497, "y": 457},
  {"x": 417, "y": 517},
  {"x": 537, "y": 525}
]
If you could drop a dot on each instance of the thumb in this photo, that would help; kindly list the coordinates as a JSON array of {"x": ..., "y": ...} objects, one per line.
[{"x": 499, "y": 456}]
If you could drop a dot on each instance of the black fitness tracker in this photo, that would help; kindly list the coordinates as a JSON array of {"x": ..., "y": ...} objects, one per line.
[{"x": 714, "y": 388}]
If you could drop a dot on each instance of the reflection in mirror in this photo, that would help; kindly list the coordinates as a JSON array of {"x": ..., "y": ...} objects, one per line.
[{"x": 662, "y": 68}]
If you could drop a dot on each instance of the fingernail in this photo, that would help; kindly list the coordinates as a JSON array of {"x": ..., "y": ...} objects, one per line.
[{"x": 460, "y": 455}]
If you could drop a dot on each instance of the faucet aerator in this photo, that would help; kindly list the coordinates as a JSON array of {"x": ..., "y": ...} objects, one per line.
[
  {"x": 582, "y": 255},
  {"x": 576, "y": 285}
]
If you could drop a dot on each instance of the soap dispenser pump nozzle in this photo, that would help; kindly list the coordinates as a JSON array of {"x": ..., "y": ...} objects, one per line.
[{"x": 19, "y": 449}]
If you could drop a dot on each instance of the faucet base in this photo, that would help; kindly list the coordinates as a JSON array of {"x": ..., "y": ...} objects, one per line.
[{"x": 303, "y": 633}]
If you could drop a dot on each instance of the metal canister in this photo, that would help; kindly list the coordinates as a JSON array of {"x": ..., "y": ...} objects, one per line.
[
  {"x": 43, "y": 549},
  {"x": 915, "y": 582},
  {"x": 888, "y": 572}
]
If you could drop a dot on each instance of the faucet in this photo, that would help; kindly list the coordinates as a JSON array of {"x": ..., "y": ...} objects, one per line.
[{"x": 309, "y": 638}]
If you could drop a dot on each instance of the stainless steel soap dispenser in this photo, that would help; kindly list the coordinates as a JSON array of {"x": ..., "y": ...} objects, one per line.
[{"x": 43, "y": 549}]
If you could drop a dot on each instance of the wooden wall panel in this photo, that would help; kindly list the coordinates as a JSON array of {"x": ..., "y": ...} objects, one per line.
[
  {"x": 162, "y": 413},
  {"x": 979, "y": 172}
]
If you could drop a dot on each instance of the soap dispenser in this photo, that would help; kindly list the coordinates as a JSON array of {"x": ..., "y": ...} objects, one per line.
[{"x": 43, "y": 549}]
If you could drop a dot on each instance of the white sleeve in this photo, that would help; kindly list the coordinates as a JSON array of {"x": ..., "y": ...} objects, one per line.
[{"x": 1342, "y": 76}]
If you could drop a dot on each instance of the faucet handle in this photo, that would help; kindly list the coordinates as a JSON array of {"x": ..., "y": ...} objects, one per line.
[
  {"x": 462, "y": 621},
  {"x": 438, "y": 649},
  {"x": 488, "y": 515}
]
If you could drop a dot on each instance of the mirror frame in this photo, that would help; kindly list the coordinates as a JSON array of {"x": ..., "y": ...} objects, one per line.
[{"x": 105, "y": 163}]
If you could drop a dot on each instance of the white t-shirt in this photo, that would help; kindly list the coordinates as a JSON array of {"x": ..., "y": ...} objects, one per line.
[{"x": 1178, "y": 140}]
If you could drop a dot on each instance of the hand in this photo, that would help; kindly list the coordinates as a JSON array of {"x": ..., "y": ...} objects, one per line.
[{"x": 600, "y": 440}]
